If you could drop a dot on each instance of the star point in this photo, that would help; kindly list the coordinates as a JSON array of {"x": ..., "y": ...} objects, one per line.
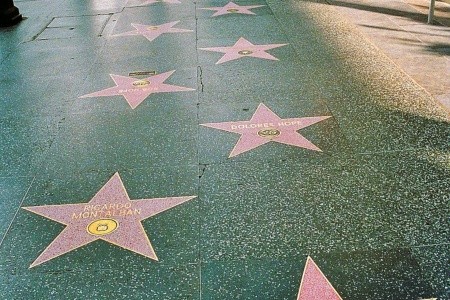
[
  {"x": 264, "y": 127},
  {"x": 314, "y": 285},
  {"x": 135, "y": 91},
  {"x": 244, "y": 48},
  {"x": 109, "y": 216},
  {"x": 232, "y": 8}
]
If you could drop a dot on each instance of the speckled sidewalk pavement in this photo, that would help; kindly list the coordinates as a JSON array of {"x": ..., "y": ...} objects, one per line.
[
  {"x": 400, "y": 30},
  {"x": 213, "y": 150}
]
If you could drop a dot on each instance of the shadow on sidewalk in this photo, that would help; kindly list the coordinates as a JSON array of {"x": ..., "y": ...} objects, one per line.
[
  {"x": 439, "y": 48},
  {"x": 416, "y": 16},
  {"x": 409, "y": 31},
  {"x": 382, "y": 10}
]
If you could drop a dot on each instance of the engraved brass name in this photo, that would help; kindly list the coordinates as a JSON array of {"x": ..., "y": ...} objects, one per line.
[{"x": 106, "y": 211}]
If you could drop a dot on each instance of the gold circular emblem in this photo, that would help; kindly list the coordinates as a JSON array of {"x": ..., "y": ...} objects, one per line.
[
  {"x": 245, "y": 52},
  {"x": 141, "y": 83},
  {"x": 153, "y": 28},
  {"x": 102, "y": 226},
  {"x": 232, "y": 10},
  {"x": 269, "y": 133}
]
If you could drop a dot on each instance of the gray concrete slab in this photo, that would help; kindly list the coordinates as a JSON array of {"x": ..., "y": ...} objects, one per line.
[{"x": 399, "y": 29}]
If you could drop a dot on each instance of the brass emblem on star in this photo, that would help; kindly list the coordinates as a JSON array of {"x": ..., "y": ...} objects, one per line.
[
  {"x": 269, "y": 133},
  {"x": 141, "y": 83},
  {"x": 102, "y": 227},
  {"x": 233, "y": 10},
  {"x": 245, "y": 52},
  {"x": 153, "y": 28}
]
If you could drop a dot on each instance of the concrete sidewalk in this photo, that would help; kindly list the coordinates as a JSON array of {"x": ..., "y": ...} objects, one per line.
[
  {"x": 399, "y": 29},
  {"x": 205, "y": 150}
]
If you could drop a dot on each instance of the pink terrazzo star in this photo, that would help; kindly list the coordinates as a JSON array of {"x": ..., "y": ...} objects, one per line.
[
  {"x": 151, "y": 32},
  {"x": 137, "y": 90},
  {"x": 110, "y": 216},
  {"x": 148, "y": 2},
  {"x": 244, "y": 48},
  {"x": 233, "y": 8},
  {"x": 264, "y": 127},
  {"x": 314, "y": 285}
]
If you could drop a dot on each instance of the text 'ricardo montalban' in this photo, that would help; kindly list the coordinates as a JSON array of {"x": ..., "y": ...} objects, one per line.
[{"x": 110, "y": 216}]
